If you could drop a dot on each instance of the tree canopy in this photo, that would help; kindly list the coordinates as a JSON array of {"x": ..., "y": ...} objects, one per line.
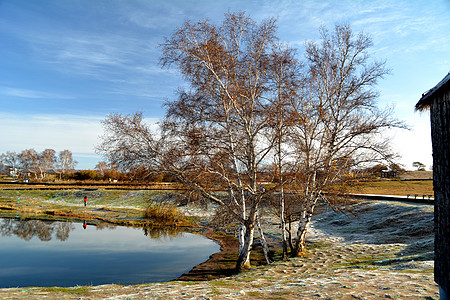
[{"x": 252, "y": 110}]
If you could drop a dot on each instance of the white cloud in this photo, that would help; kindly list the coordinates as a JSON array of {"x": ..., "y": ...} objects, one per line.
[
  {"x": 415, "y": 144},
  {"x": 79, "y": 134},
  {"x": 59, "y": 132}
]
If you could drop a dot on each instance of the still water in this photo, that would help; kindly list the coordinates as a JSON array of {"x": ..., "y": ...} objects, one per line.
[{"x": 38, "y": 253}]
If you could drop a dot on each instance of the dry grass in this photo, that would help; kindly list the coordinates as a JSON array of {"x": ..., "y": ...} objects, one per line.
[
  {"x": 163, "y": 213},
  {"x": 394, "y": 187},
  {"x": 79, "y": 290}
]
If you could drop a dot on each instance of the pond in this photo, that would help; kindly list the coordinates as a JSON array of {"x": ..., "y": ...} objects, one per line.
[{"x": 38, "y": 253}]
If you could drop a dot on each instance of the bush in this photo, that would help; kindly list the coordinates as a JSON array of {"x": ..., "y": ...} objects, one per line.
[
  {"x": 86, "y": 175},
  {"x": 163, "y": 213}
]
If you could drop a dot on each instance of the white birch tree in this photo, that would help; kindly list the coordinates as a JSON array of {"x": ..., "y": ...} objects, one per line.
[
  {"x": 213, "y": 138},
  {"x": 338, "y": 126},
  {"x": 65, "y": 161}
]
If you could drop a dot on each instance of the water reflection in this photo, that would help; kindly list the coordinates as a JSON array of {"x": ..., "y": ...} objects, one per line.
[
  {"x": 42, "y": 253},
  {"x": 158, "y": 233},
  {"x": 36, "y": 228},
  {"x": 46, "y": 230}
]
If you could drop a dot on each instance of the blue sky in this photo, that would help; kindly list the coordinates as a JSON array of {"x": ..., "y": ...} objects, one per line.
[{"x": 66, "y": 64}]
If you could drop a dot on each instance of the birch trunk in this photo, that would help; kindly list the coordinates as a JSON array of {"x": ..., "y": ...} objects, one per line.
[
  {"x": 263, "y": 242},
  {"x": 245, "y": 246},
  {"x": 305, "y": 220},
  {"x": 289, "y": 238},
  {"x": 283, "y": 224}
]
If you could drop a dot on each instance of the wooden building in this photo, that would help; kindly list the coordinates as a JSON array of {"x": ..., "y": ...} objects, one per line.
[{"x": 437, "y": 101}]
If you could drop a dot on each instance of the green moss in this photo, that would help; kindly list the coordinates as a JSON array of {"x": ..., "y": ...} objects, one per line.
[
  {"x": 318, "y": 245},
  {"x": 281, "y": 295},
  {"x": 367, "y": 262},
  {"x": 253, "y": 294},
  {"x": 214, "y": 291},
  {"x": 412, "y": 271},
  {"x": 187, "y": 283},
  {"x": 70, "y": 290}
]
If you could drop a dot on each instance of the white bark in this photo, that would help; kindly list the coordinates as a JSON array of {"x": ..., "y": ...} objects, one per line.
[
  {"x": 263, "y": 242},
  {"x": 245, "y": 249}
]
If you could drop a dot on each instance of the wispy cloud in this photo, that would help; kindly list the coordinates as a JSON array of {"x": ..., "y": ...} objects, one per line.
[
  {"x": 96, "y": 55},
  {"x": 399, "y": 26},
  {"x": 94, "y": 51},
  {"x": 153, "y": 15},
  {"x": 122, "y": 65},
  {"x": 33, "y": 94}
]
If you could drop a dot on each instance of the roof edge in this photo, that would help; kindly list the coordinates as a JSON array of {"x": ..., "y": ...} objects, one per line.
[{"x": 425, "y": 101}]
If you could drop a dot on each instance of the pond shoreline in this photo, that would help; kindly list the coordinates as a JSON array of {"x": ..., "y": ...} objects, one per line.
[
  {"x": 215, "y": 267},
  {"x": 381, "y": 250},
  {"x": 212, "y": 268}
]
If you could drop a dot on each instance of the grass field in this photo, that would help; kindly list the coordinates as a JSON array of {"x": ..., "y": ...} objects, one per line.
[
  {"x": 394, "y": 187},
  {"x": 126, "y": 198},
  {"x": 107, "y": 195},
  {"x": 119, "y": 207}
]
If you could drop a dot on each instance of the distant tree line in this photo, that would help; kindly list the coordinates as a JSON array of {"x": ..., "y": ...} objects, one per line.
[
  {"x": 30, "y": 163},
  {"x": 106, "y": 171},
  {"x": 40, "y": 165}
]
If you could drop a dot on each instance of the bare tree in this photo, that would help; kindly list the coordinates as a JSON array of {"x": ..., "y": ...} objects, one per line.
[
  {"x": 213, "y": 137},
  {"x": 65, "y": 161},
  {"x": 249, "y": 107},
  {"x": 101, "y": 167},
  {"x": 29, "y": 160},
  {"x": 10, "y": 159},
  {"x": 46, "y": 161},
  {"x": 284, "y": 71},
  {"x": 338, "y": 125},
  {"x": 419, "y": 166}
]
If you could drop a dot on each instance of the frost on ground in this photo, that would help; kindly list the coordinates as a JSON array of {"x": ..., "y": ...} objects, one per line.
[
  {"x": 380, "y": 250},
  {"x": 382, "y": 222}
]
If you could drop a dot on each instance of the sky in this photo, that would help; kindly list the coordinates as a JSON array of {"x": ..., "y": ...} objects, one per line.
[{"x": 66, "y": 64}]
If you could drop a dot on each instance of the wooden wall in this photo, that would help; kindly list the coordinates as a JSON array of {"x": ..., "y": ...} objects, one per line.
[{"x": 440, "y": 132}]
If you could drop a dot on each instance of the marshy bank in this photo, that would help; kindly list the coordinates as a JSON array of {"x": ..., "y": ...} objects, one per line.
[{"x": 116, "y": 207}]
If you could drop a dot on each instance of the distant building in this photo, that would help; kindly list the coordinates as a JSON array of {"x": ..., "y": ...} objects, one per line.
[
  {"x": 389, "y": 174},
  {"x": 3, "y": 169},
  {"x": 9, "y": 171},
  {"x": 437, "y": 100}
]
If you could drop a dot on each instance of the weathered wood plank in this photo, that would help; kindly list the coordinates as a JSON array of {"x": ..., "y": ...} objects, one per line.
[{"x": 440, "y": 132}]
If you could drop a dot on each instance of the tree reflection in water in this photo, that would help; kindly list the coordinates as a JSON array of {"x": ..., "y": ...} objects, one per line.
[
  {"x": 167, "y": 232},
  {"x": 36, "y": 228},
  {"x": 45, "y": 230},
  {"x": 101, "y": 254}
]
